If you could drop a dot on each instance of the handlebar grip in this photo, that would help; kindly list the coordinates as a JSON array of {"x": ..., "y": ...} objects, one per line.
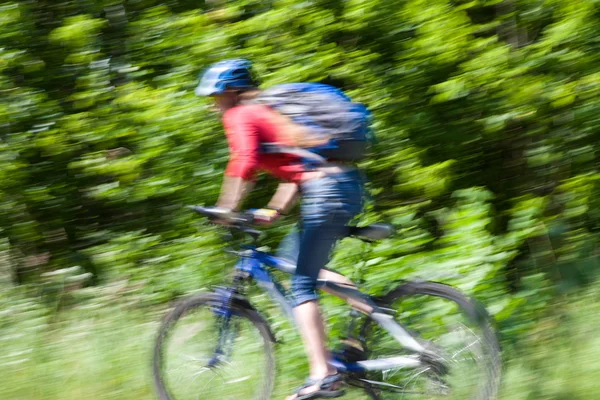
[
  {"x": 237, "y": 221},
  {"x": 225, "y": 214},
  {"x": 212, "y": 212}
]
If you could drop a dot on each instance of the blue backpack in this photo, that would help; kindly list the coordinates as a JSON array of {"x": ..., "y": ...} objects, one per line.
[{"x": 327, "y": 111}]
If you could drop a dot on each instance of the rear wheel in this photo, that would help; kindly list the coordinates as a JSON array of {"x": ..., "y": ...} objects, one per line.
[
  {"x": 201, "y": 354},
  {"x": 458, "y": 330}
]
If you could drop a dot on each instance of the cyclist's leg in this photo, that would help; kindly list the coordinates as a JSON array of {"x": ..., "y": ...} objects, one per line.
[
  {"x": 328, "y": 205},
  {"x": 289, "y": 249}
]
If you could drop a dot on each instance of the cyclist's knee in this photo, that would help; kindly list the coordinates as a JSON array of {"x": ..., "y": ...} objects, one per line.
[{"x": 303, "y": 289}]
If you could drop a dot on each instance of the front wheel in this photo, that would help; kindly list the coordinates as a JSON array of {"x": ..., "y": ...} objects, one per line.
[
  {"x": 456, "y": 329},
  {"x": 204, "y": 353}
]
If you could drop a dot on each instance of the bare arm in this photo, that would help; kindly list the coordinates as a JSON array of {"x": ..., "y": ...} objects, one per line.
[
  {"x": 233, "y": 192},
  {"x": 284, "y": 198}
]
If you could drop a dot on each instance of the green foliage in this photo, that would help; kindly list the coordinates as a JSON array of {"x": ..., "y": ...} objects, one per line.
[{"x": 485, "y": 112}]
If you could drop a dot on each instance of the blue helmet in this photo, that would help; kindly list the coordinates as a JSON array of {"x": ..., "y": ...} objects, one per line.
[{"x": 226, "y": 74}]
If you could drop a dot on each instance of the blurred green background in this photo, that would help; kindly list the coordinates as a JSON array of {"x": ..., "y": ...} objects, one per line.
[{"x": 487, "y": 115}]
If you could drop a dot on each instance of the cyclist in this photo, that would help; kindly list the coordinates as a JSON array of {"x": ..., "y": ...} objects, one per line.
[{"x": 331, "y": 196}]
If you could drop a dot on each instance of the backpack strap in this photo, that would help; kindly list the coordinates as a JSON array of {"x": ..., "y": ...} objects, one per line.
[{"x": 276, "y": 148}]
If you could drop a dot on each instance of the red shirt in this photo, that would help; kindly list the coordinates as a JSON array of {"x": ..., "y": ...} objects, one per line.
[{"x": 246, "y": 127}]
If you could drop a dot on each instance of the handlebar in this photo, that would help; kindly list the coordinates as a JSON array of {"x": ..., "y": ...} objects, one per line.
[{"x": 236, "y": 220}]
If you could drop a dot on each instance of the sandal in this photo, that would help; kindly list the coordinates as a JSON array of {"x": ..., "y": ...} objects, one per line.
[{"x": 326, "y": 389}]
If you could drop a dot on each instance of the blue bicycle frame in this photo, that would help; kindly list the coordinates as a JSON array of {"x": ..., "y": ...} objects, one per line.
[{"x": 252, "y": 264}]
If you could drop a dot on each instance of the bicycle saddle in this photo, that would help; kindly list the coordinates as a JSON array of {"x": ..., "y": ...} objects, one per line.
[{"x": 376, "y": 231}]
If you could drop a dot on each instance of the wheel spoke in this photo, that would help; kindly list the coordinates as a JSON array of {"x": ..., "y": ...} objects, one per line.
[
  {"x": 465, "y": 348},
  {"x": 460, "y": 359}
]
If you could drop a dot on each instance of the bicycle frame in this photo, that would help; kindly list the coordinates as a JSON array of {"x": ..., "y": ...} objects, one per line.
[{"x": 252, "y": 262}]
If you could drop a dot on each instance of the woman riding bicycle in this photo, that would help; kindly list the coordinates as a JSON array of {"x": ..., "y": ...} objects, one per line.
[{"x": 331, "y": 196}]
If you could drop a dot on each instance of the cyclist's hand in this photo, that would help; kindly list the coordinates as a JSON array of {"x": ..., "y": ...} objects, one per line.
[{"x": 265, "y": 215}]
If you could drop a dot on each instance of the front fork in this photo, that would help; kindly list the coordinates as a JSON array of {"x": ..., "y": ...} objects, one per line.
[{"x": 223, "y": 308}]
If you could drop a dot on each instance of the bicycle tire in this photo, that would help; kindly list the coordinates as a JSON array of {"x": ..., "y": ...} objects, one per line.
[
  {"x": 206, "y": 300},
  {"x": 473, "y": 310}
]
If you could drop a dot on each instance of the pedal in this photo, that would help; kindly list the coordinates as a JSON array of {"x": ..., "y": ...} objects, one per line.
[{"x": 351, "y": 351}]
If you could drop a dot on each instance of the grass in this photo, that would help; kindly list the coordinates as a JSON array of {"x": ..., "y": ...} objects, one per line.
[
  {"x": 103, "y": 351},
  {"x": 562, "y": 360}
]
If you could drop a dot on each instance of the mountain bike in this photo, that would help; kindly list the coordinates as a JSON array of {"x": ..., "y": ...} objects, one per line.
[{"x": 421, "y": 340}]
